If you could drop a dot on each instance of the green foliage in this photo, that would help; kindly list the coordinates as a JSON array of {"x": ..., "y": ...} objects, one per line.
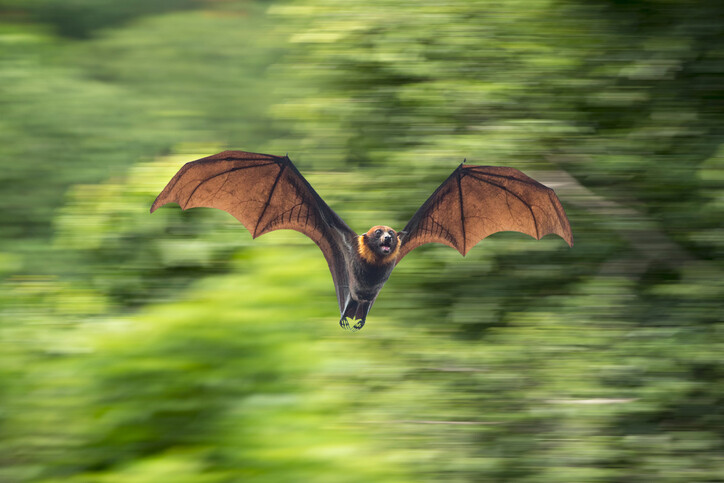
[
  {"x": 211, "y": 388},
  {"x": 138, "y": 347},
  {"x": 95, "y": 108},
  {"x": 82, "y": 18}
]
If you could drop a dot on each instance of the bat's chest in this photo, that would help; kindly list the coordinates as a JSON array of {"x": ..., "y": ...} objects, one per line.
[{"x": 368, "y": 279}]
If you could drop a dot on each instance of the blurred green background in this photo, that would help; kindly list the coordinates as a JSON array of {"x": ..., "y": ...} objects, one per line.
[{"x": 170, "y": 347}]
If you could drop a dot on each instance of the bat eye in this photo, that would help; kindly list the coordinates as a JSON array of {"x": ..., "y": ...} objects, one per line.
[
  {"x": 392, "y": 233},
  {"x": 378, "y": 232}
]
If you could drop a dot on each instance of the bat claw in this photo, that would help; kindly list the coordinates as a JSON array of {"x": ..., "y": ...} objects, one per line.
[{"x": 345, "y": 324}]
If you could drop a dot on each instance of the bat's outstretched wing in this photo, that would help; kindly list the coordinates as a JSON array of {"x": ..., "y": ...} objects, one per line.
[
  {"x": 264, "y": 193},
  {"x": 477, "y": 201}
]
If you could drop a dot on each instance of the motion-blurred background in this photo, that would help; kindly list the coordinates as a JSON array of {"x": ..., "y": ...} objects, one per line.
[{"x": 170, "y": 347}]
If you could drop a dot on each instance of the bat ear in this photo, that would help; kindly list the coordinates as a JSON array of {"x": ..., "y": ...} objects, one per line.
[{"x": 401, "y": 234}]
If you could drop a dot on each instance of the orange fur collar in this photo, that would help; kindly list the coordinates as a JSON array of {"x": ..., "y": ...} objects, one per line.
[{"x": 368, "y": 256}]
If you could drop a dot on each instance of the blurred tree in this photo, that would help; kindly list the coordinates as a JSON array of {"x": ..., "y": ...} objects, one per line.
[
  {"x": 139, "y": 348},
  {"x": 81, "y": 18},
  {"x": 83, "y": 112}
]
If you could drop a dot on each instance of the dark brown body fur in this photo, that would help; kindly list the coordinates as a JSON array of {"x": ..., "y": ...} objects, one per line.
[{"x": 371, "y": 258}]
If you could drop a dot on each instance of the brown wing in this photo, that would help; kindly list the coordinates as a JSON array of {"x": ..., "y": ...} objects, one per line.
[
  {"x": 264, "y": 193},
  {"x": 477, "y": 201}
]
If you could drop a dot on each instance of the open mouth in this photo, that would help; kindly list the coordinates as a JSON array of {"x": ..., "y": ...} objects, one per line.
[{"x": 386, "y": 246}]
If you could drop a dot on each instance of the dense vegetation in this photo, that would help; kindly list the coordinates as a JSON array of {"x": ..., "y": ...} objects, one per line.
[{"x": 170, "y": 347}]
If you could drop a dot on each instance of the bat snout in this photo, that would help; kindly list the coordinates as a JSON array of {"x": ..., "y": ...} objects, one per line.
[
  {"x": 387, "y": 242},
  {"x": 381, "y": 241}
]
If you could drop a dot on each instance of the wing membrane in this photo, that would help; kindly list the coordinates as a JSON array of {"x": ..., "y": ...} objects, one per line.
[
  {"x": 477, "y": 201},
  {"x": 265, "y": 193}
]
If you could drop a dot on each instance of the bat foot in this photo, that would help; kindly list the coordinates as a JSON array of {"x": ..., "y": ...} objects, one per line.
[{"x": 351, "y": 324}]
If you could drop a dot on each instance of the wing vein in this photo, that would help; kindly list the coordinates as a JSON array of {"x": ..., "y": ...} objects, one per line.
[
  {"x": 201, "y": 183},
  {"x": 268, "y": 200},
  {"x": 525, "y": 203},
  {"x": 557, "y": 206},
  {"x": 462, "y": 211}
]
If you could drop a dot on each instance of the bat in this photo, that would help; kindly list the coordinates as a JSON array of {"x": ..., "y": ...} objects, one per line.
[{"x": 267, "y": 193}]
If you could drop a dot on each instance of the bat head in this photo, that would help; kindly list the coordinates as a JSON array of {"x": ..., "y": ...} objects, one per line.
[{"x": 379, "y": 245}]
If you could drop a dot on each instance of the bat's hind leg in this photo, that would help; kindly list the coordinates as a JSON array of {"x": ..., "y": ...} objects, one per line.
[{"x": 354, "y": 314}]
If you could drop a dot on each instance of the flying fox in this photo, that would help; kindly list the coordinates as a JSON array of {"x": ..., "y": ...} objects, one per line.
[{"x": 267, "y": 193}]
